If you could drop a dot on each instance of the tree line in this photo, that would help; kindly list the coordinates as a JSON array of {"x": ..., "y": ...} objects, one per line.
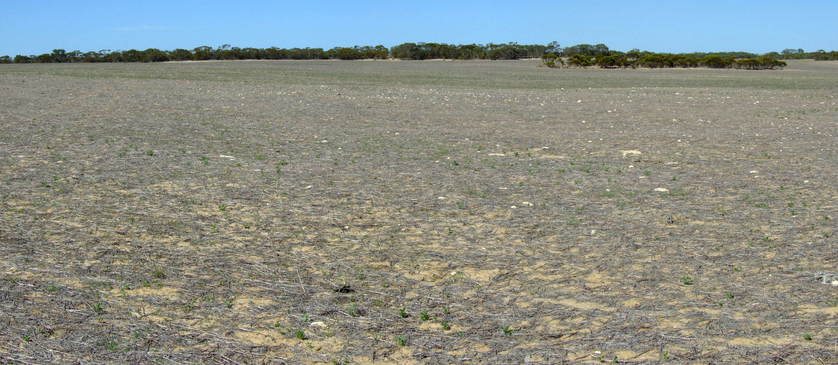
[
  {"x": 580, "y": 55},
  {"x": 410, "y": 51},
  {"x": 661, "y": 60},
  {"x": 585, "y": 55},
  {"x": 800, "y": 54}
]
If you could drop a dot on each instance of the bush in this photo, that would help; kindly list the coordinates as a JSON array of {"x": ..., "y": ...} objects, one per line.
[
  {"x": 580, "y": 60},
  {"x": 612, "y": 61},
  {"x": 552, "y": 60},
  {"x": 714, "y": 61}
]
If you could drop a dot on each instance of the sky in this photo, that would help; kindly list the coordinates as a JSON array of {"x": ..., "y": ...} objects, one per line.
[{"x": 35, "y": 27}]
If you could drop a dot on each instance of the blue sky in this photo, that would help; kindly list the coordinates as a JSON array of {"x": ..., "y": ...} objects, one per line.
[{"x": 34, "y": 27}]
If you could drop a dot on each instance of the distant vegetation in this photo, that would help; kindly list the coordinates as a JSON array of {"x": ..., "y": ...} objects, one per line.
[
  {"x": 411, "y": 51},
  {"x": 799, "y": 54},
  {"x": 581, "y": 55},
  {"x": 585, "y": 55}
]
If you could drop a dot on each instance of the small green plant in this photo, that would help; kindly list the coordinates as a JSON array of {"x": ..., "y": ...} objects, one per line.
[
  {"x": 52, "y": 288},
  {"x": 425, "y": 316},
  {"x": 204, "y": 160},
  {"x": 300, "y": 335},
  {"x": 401, "y": 340},
  {"x": 403, "y": 312},
  {"x": 149, "y": 153},
  {"x": 99, "y": 308},
  {"x": 686, "y": 280},
  {"x": 158, "y": 274},
  {"x": 507, "y": 330},
  {"x": 445, "y": 325},
  {"x": 112, "y": 346},
  {"x": 807, "y": 337},
  {"x": 26, "y": 338},
  {"x": 729, "y": 295},
  {"x": 222, "y": 207}
]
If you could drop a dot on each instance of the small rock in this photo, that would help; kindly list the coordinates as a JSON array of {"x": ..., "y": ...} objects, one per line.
[
  {"x": 631, "y": 153},
  {"x": 662, "y": 190},
  {"x": 317, "y": 324}
]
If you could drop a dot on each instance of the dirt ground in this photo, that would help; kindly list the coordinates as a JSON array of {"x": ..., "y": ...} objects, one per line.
[{"x": 417, "y": 212}]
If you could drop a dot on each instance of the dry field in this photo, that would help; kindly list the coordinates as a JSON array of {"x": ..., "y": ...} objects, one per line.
[{"x": 417, "y": 212}]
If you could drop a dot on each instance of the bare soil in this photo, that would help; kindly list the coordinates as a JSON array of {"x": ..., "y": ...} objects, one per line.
[{"x": 417, "y": 212}]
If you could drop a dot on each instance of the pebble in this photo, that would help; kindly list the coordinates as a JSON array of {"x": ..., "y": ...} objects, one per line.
[
  {"x": 662, "y": 190},
  {"x": 631, "y": 153}
]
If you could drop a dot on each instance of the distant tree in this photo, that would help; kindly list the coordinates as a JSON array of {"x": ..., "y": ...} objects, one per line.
[
  {"x": 59, "y": 55},
  {"x": 154, "y": 55},
  {"x": 345, "y": 53},
  {"x": 132, "y": 55},
  {"x": 5, "y": 59},
  {"x": 44, "y": 58},
  {"x": 23, "y": 59},
  {"x": 553, "y": 47},
  {"x": 203, "y": 53},
  {"x": 180, "y": 54}
]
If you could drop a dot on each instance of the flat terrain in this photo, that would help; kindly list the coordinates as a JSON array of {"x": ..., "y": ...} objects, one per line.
[{"x": 417, "y": 212}]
